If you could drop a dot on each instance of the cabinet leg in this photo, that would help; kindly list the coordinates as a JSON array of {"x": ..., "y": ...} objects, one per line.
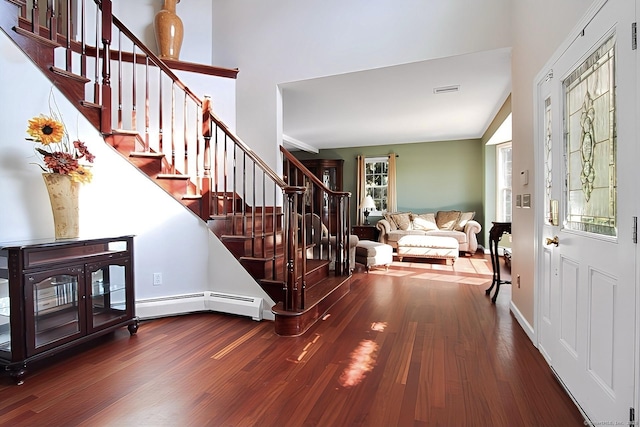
[
  {"x": 133, "y": 327},
  {"x": 17, "y": 372}
]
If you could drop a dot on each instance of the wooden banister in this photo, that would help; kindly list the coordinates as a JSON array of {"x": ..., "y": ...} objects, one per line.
[{"x": 200, "y": 156}]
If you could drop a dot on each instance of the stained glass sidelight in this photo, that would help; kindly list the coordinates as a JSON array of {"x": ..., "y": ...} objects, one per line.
[{"x": 590, "y": 144}]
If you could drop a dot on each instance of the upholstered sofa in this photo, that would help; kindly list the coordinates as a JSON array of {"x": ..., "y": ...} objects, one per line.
[{"x": 457, "y": 224}]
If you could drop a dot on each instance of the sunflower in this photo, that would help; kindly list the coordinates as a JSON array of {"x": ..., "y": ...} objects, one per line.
[
  {"x": 81, "y": 175},
  {"x": 45, "y": 129}
]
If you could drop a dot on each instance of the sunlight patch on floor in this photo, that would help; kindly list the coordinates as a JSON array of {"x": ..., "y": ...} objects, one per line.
[
  {"x": 475, "y": 281},
  {"x": 363, "y": 360}
]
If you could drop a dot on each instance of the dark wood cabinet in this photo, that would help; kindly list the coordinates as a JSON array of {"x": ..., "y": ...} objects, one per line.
[{"x": 57, "y": 294}]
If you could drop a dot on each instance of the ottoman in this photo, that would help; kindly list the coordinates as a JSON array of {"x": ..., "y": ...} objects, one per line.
[
  {"x": 373, "y": 254},
  {"x": 435, "y": 247}
]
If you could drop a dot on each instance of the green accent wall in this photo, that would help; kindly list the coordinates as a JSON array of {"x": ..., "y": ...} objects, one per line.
[{"x": 431, "y": 176}]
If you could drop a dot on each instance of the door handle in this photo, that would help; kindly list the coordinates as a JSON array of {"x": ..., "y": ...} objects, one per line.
[{"x": 553, "y": 241}]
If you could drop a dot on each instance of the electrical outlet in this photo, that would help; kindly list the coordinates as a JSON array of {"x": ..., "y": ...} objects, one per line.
[{"x": 157, "y": 279}]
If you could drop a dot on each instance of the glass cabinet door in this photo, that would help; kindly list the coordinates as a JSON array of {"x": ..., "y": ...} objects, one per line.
[
  {"x": 108, "y": 292},
  {"x": 55, "y": 300},
  {"x": 5, "y": 315}
]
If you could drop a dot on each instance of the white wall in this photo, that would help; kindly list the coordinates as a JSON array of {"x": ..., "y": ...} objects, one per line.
[
  {"x": 290, "y": 40},
  {"x": 196, "y": 18},
  {"x": 539, "y": 29},
  {"x": 120, "y": 200}
]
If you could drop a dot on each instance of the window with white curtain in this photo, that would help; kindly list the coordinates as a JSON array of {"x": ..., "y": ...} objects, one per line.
[
  {"x": 503, "y": 193},
  {"x": 376, "y": 179}
]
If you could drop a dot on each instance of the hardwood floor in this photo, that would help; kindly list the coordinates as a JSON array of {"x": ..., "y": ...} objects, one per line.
[{"x": 418, "y": 345}]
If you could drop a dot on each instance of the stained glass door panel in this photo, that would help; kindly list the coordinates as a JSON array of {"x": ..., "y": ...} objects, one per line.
[{"x": 591, "y": 144}]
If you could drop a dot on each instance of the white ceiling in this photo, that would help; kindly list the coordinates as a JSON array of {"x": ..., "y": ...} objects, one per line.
[{"x": 397, "y": 104}]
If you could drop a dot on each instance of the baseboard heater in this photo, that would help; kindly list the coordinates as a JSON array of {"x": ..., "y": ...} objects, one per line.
[{"x": 204, "y": 301}]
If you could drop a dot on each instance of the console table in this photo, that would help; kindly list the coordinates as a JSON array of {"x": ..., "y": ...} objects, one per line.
[
  {"x": 57, "y": 294},
  {"x": 495, "y": 234}
]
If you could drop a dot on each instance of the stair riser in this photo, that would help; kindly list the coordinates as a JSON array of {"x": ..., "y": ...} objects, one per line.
[
  {"x": 316, "y": 276},
  {"x": 176, "y": 187},
  {"x": 238, "y": 227},
  {"x": 260, "y": 269},
  {"x": 241, "y": 248},
  {"x": 152, "y": 167}
]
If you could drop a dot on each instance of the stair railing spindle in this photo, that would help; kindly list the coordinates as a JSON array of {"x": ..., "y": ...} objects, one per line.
[
  {"x": 243, "y": 186},
  {"x": 160, "y": 114},
  {"x": 234, "y": 180},
  {"x": 253, "y": 212},
  {"x": 147, "y": 90},
  {"x": 119, "y": 124},
  {"x": 96, "y": 81},
  {"x": 206, "y": 134},
  {"x": 199, "y": 159},
  {"x": 68, "y": 32},
  {"x": 83, "y": 40},
  {"x": 185, "y": 137},
  {"x": 216, "y": 173},
  {"x": 264, "y": 218},
  {"x": 172, "y": 162},
  {"x": 52, "y": 20},
  {"x": 105, "y": 100},
  {"x": 226, "y": 174},
  {"x": 35, "y": 17},
  {"x": 134, "y": 90},
  {"x": 274, "y": 222}
]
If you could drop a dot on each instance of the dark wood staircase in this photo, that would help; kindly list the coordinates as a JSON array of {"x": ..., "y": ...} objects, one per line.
[{"x": 200, "y": 169}]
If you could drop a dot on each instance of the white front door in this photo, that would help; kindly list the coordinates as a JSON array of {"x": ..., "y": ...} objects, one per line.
[{"x": 586, "y": 286}]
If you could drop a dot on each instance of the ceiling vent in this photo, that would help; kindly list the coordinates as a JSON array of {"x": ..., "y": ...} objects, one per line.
[{"x": 446, "y": 89}]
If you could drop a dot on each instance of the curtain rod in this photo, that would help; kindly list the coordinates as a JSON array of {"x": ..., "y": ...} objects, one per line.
[{"x": 381, "y": 155}]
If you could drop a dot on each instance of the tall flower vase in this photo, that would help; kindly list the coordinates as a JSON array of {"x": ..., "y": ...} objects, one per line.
[
  {"x": 63, "y": 194},
  {"x": 169, "y": 30}
]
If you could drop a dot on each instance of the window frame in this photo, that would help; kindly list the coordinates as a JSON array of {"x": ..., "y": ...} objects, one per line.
[
  {"x": 504, "y": 183},
  {"x": 379, "y": 159}
]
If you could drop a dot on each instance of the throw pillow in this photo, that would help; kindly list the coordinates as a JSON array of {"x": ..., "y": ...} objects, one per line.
[
  {"x": 392, "y": 223},
  {"x": 447, "y": 220},
  {"x": 465, "y": 217},
  {"x": 402, "y": 220},
  {"x": 424, "y": 222}
]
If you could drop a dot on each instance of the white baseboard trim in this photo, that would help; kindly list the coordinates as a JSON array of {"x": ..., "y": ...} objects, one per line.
[
  {"x": 203, "y": 301},
  {"x": 528, "y": 329}
]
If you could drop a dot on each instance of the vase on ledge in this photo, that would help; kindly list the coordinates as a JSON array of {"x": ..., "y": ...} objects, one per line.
[
  {"x": 63, "y": 195},
  {"x": 169, "y": 31}
]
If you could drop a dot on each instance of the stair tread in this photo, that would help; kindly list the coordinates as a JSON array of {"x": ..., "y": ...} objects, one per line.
[
  {"x": 261, "y": 259},
  {"x": 322, "y": 288},
  {"x": 123, "y": 132},
  {"x": 69, "y": 74},
  {"x": 37, "y": 37},
  {"x": 146, "y": 154},
  {"x": 172, "y": 176}
]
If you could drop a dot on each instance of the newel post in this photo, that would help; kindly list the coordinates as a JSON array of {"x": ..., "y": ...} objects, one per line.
[
  {"x": 107, "y": 18},
  {"x": 293, "y": 298}
]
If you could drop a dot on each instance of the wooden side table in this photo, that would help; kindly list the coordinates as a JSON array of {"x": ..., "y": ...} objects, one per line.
[
  {"x": 365, "y": 232},
  {"x": 495, "y": 234}
]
